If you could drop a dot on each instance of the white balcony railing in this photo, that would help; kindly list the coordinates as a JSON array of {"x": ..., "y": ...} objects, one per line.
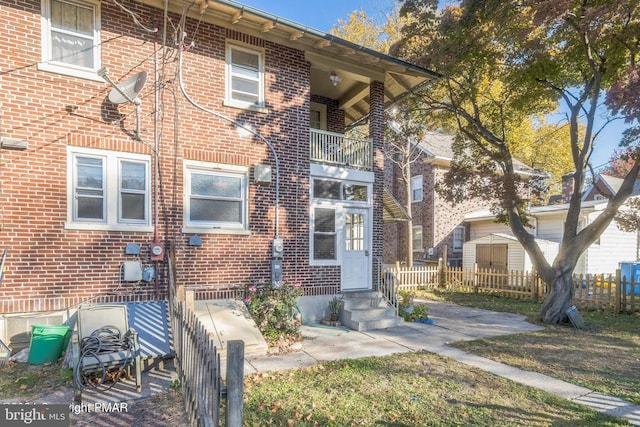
[{"x": 338, "y": 149}]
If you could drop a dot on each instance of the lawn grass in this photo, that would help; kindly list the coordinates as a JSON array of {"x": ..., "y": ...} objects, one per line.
[
  {"x": 603, "y": 356},
  {"x": 407, "y": 389},
  {"x": 24, "y": 380}
]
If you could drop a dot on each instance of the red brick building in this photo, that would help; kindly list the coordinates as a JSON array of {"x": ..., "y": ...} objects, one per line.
[
  {"x": 435, "y": 222},
  {"x": 91, "y": 183}
]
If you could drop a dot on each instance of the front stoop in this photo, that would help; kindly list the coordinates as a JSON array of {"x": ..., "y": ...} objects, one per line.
[{"x": 366, "y": 310}]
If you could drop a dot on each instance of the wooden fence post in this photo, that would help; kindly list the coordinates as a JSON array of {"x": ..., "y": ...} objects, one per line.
[
  {"x": 618, "y": 293},
  {"x": 533, "y": 279},
  {"x": 189, "y": 299},
  {"x": 235, "y": 384},
  {"x": 475, "y": 277},
  {"x": 440, "y": 273}
]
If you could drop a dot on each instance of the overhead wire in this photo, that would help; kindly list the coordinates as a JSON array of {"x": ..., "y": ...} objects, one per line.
[{"x": 134, "y": 17}]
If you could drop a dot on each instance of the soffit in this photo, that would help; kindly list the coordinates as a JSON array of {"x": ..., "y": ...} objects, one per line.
[{"x": 357, "y": 66}]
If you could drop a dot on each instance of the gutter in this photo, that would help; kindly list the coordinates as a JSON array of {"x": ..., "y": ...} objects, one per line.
[{"x": 329, "y": 37}]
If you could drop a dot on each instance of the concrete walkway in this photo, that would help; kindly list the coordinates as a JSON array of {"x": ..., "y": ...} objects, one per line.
[{"x": 453, "y": 323}]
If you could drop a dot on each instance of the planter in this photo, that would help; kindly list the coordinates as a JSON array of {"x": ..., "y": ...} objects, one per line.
[{"x": 329, "y": 322}]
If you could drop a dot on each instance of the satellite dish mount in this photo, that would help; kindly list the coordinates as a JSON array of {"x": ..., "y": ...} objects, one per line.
[{"x": 127, "y": 92}]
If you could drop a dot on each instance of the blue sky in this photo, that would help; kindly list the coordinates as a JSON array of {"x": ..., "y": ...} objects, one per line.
[
  {"x": 318, "y": 15},
  {"x": 324, "y": 15}
]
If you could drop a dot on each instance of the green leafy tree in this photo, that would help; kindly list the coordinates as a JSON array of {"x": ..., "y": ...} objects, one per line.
[{"x": 503, "y": 62}]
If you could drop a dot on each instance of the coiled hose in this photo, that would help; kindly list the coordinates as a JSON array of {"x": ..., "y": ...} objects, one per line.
[{"x": 102, "y": 341}]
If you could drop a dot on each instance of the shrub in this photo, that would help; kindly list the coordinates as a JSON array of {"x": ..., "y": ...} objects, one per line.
[
  {"x": 272, "y": 308},
  {"x": 408, "y": 311}
]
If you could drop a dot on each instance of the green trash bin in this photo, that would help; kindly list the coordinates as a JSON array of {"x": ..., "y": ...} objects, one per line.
[{"x": 47, "y": 343}]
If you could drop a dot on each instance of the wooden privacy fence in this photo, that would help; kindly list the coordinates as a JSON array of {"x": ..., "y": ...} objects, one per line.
[{"x": 600, "y": 291}]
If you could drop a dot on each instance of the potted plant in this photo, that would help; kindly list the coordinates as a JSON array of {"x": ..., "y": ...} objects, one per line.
[{"x": 335, "y": 304}]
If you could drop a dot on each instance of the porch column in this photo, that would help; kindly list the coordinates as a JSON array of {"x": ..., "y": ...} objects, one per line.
[{"x": 376, "y": 133}]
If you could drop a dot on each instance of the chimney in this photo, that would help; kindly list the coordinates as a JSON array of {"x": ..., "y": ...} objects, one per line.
[{"x": 567, "y": 187}]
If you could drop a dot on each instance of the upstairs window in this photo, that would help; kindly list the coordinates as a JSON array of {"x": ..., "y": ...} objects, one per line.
[
  {"x": 416, "y": 188},
  {"x": 71, "y": 37},
  {"x": 458, "y": 238},
  {"x": 318, "y": 116},
  {"x": 245, "y": 77}
]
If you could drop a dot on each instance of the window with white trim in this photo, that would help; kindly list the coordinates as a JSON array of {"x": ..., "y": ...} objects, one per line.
[
  {"x": 416, "y": 236},
  {"x": 416, "y": 188},
  {"x": 324, "y": 234},
  {"x": 458, "y": 238},
  {"x": 108, "y": 190},
  {"x": 245, "y": 77},
  {"x": 216, "y": 196},
  {"x": 71, "y": 37},
  {"x": 318, "y": 116}
]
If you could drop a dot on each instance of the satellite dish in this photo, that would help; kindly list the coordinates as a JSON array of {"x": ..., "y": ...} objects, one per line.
[{"x": 128, "y": 90}]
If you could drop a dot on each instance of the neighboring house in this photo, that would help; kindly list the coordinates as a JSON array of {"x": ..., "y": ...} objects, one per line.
[
  {"x": 604, "y": 187},
  {"x": 435, "y": 222},
  {"x": 97, "y": 196},
  {"x": 603, "y": 256}
]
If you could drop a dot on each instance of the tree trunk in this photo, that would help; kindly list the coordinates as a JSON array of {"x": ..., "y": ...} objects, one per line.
[{"x": 554, "y": 308}]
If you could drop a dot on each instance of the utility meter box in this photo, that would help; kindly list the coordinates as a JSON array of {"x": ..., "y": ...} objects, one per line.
[
  {"x": 278, "y": 248},
  {"x": 276, "y": 271},
  {"x": 156, "y": 251}
]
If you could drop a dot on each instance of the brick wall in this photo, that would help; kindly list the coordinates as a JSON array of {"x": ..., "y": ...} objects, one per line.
[
  {"x": 52, "y": 267},
  {"x": 376, "y": 133}
]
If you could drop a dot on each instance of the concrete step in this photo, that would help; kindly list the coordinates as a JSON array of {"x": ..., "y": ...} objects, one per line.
[
  {"x": 360, "y": 294},
  {"x": 349, "y": 303},
  {"x": 366, "y": 324},
  {"x": 378, "y": 317}
]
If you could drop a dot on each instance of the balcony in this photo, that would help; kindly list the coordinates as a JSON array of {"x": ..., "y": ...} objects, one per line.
[{"x": 340, "y": 150}]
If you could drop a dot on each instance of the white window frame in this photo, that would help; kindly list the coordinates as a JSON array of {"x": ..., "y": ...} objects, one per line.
[
  {"x": 418, "y": 246},
  {"x": 214, "y": 227},
  {"x": 416, "y": 184},
  {"x": 337, "y": 211},
  {"x": 322, "y": 113},
  {"x": 229, "y": 100},
  {"x": 458, "y": 236},
  {"x": 111, "y": 166},
  {"x": 59, "y": 67}
]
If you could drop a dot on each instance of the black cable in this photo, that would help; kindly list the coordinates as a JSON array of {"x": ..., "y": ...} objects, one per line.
[{"x": 102, "y": 341}]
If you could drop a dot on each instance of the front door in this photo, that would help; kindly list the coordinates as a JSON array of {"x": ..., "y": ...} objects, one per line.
[{"x": 356, "y": 260}]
